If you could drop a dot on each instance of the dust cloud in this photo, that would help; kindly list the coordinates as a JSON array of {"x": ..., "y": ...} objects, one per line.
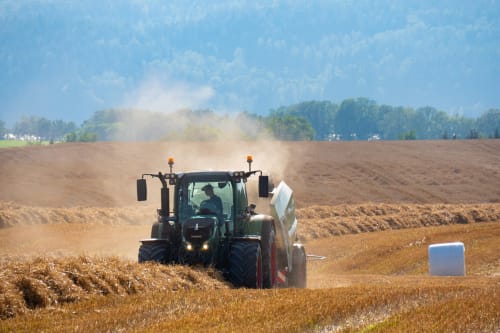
[
  {"x": 164, "y": 96},
  {"x": 198, "y": 140},
  {"x": 91, "y": 186},
  {"x": 162, "y": 109},
  {"x": 82, "y": 199}
]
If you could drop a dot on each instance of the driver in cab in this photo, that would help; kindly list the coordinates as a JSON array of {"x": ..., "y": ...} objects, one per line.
[{"x": 213, "y": 203}]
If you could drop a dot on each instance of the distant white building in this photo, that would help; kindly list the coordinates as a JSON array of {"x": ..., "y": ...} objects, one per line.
[
  {"x": 375, "y": 137},
  {"x": 26, "y": 137}
]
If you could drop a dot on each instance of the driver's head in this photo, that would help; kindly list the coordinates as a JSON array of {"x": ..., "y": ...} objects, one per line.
[{"x": 208, "y": 189}]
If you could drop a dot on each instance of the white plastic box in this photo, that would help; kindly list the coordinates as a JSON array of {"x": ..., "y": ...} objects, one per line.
[{"x": 447, "y": 259}]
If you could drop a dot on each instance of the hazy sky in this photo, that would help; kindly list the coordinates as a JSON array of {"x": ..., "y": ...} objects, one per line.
[{"x": 67, "y": 59}]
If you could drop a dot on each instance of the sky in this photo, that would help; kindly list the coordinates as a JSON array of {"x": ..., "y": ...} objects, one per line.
[{"x": 65, "y": 60}]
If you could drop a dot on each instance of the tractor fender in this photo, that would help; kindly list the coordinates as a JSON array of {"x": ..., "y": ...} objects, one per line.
[
  {"x": 281, "y": 240},
  {"x": 253, "y": 238},
  {"x": 255, "y": 227},
  {"x": 155, "y": 240}
]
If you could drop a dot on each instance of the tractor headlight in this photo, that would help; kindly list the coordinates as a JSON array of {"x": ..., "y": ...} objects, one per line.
[
  {"x": 205, "y": 246},
  {"x": 189, "y": 246}
]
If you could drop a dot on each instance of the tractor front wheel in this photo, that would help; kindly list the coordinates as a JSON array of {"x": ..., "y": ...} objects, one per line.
[
  {"x": 246, "y": 265},
  {"x": 153, "y": 252}
]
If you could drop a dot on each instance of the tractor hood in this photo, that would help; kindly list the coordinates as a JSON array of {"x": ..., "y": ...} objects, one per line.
[{"x": 199, "y": 229}]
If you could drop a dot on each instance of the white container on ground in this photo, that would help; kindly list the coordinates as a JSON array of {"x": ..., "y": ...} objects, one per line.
[{"x": 447, "y": 259}]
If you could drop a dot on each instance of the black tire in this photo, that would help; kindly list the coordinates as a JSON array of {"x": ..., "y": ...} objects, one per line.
[
  {"x": 246, "y": 265},
  {"x": 153, "y": 252},
  {"x": 298, "y": 275},
  {"x": 268, "y": 244}
]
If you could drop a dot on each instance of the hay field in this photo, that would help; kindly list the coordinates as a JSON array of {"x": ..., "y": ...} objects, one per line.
[{"x": 69, "y": 231}]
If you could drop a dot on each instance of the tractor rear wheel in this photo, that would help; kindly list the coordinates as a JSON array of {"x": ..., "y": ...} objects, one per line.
[
  {"x": 298, "y": 276},
  {"x": 153, "y": 252},
  {"x": 246, "y": 265},
  {"x": 268, "y": 255}
]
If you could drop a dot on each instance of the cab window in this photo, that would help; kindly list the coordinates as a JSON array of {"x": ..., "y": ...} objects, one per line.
[{"x": 194, "y": 200}]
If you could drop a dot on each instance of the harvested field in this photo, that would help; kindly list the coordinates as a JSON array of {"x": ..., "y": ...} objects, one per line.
[
  {"x": 46, "y": 282},
  {"x": 72, "y": 231},
  {"x": 327, "y": 221},
  {"x": 321, "y": 173},
  {"x": 440, "y": 305},
  {"x": 12, "y": 214},
  {"x": 69, "y": 231}
]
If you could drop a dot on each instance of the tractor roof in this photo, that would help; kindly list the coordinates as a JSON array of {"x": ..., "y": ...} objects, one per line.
[{"x": 215, "y": 175}]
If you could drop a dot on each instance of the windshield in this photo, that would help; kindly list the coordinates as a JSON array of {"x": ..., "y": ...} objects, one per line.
[{"x": 206, "y": 198}]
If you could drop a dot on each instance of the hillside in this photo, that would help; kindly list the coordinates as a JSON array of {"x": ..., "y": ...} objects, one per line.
[{"x": 62, "y": 59}]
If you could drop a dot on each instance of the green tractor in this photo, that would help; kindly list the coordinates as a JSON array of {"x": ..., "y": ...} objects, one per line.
[{"x": 212, "y": 224}]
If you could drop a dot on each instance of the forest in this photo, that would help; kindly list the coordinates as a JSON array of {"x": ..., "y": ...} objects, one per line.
[{"x": 352, "y": 119}]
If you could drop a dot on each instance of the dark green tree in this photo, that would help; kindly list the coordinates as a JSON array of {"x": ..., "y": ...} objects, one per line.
[
  {"x": 59, "y": 128},
  {"x": 431, "y": 123},
  {"x": 290, "y": 128},
  {"x": 356, "y": 119},
  {"x": 80, "y": 137},
  {"x": 410, "y": 135},
  {"x": 3, "y": 130},
  {"x": 320, "y": 114},
  {"x": 43, "y": 128},
  {"x": 70, "y": 137},
  {"x": 473, "y": 134},
  {"x": 488, "y": 123},
  {"x": 25, "y": 126},
  {"x": 87, "y": 137},
  {"x": 394, "y": 121},
  {"x": 459, "y": 126},
  {"x": 32, "y": 125},
  {"x": 104, "y": 123}
]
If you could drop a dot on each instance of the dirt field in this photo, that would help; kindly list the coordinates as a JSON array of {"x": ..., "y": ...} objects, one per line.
[
  {"x": 70, "y": 225},
  {"x": 321, "y": 173}
]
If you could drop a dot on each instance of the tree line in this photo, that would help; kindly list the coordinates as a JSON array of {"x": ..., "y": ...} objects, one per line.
[
  {"x": 364, "y": 119},
  {"x": 39, "y": 127},
  {"x": 353, "y": 119},
  {"x": 194, "y": 125}
]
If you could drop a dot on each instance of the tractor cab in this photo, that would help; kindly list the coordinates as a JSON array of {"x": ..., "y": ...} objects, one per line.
[
  {"x": 208, "y": 194},
  {"x": 212, "y": 223},
  {"x": 210, "y": 208},
  {"x": 206, "y": 207}
]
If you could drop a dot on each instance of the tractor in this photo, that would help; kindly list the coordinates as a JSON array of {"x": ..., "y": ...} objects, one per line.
[{"x": 212, "y": 224}]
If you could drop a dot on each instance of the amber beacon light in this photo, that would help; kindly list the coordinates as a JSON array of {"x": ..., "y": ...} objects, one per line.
[
  {"x": 170, "y": 163},
  {"x": 249, "y": 161}
]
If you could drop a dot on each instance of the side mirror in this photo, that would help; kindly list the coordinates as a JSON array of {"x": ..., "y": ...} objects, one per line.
[
  {"x": 263, "y": 186},
  {"x": 142, "y": 190}
]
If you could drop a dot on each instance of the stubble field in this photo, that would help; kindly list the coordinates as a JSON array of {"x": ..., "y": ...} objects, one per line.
[{"x": 69, "y": 231}]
